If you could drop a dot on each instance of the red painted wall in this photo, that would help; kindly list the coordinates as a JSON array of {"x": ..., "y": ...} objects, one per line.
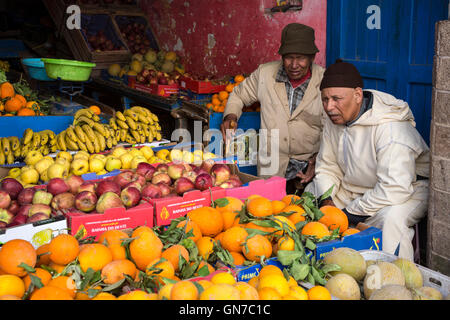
[{"x": 228, "y": 37}]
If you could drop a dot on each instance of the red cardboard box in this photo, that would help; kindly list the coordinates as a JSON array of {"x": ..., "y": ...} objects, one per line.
[
  {"x": 113, "y": 219},
  {"x": 201, "y": 86},
  {"x": 156, "y": 89},
  {"x": 167, "y": 209}
]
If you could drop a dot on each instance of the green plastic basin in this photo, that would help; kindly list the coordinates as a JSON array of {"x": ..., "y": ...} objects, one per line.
[{"x": 68, "y": 70}]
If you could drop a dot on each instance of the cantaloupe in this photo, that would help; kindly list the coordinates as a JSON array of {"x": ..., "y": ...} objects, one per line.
[
  {"x": 350, "y": 261},
  {"x": 344, "y": 287},
  {"x": 380, "y": 274},
  {"x": 412, "y": 274},
  {"x": 392, "y": 292},
  {"x": 427, "y": 293}
]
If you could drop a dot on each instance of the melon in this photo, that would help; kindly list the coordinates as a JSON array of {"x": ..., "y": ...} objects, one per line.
[
  {"x": 412, "y": 274},
  {"x": 350, "y": 261},
  {"x": 114, "y": 70},
  {"x": 136, "y": 66},
  {"x": 344, "y": 287},
  {"x": 392, "y": 292},
  {"x": 150, "y": 56},
  {"x": 427, "y": 293},
  {"x": 137, "y": 56},
  {"x": 167, "y": 67},
  {"x": 380, "y": 274}
]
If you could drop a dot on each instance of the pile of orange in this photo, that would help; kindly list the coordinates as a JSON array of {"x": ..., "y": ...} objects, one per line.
[
  {"x": 13, "y": 103},
  {"x": 219, "y": 100}
]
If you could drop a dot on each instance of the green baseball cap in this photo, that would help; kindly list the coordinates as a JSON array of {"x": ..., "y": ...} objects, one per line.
[{"x": 297, "y": 38}]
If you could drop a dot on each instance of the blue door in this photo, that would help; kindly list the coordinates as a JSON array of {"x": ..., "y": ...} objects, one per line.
[{"x": 391, "y": 42}]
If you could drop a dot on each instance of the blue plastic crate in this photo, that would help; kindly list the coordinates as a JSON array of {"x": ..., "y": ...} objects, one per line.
[{"x": 15, "y": 126}]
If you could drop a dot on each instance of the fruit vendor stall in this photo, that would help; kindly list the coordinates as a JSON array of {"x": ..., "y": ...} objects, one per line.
[{"x": 113, "y": 185}]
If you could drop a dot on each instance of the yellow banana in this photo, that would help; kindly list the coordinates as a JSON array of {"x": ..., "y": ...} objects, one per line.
[
  {"x": 96, "y": 143},
  {"x": 117, "y": 134},
  {"x": 89, "y": 132},
  {"x": 72, "y": 145},
  {"x": 107, "y": 132},
  {"x": 24, "y": 150},
  {"x": 53, "y": 148},
  {"x": 143, "y": 118},
  {"x": 131, "y": 114},
  {"x": 114, "y": 140},
  {"x": 2, "y": 158},
  {"x": 52, "y": 142},
  {"x": 155, "y": 117},
  {"x": 130, "y": 140},
  {"x": 36, "y": 140},
  {"x": 14, "y": 143},
  {"x": 61, "y": 138},
  {"x": 17, "y": 152},
  {"x": 122, "y": 124},
  {"x": 10, "y": 158},
  {"x": 136, "y": 136},
  {"x": 131, "y": 123},
  {"x": 81, "y": 146},
  {"x": 45, "y": 150},
  {"x": 71, "y": 134},
  {"x": 85, "y": 120},
  {"x": 27, "y": 136},
  {"x": 158, "y": 136},
  {"x": 100, "y": 128},
  {"x": 101, "y": 140},
  {"x": 150, "y": 137},
  {"x": 113, "y": 124},
  {"x": 50, "y": 133},
  {"x": 123, "y": 134},
  {"x": 6, "y": 146},
  {"x": 119, "y": 115},
  {"x": 90, "y": 146},
  {"x": 84, "y": 112},
  {"x": 80, "y": 134},
  {"x": 44, "y": 138},
  {"x": 109, "y": 142},
  {"x": 95, "y": 117}
]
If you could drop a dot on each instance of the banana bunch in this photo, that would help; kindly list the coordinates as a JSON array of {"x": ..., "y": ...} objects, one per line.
[
  {"x": 87, "y": 133},
  {"x": 136, "y": 125},
  {"x": 13, "y": 148}
]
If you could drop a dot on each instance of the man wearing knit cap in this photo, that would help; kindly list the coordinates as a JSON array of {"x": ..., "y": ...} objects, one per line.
[
  {"x": 288, "y": 91},
  {"x": 374, "y": 157}
]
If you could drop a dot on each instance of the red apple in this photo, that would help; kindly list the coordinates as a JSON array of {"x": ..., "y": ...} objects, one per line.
[
  {"x": 200, "y": 170},
  {"x": 86, "y": 201},
  {"x": 107, "y": 186},
  {"x": 63, "y": 201},
  {"x": 23, "y": 210},
  {"x": 107, "y": 201},
  {"x": 175, "y": 170},
  {"x": 151, "y": 191},
  {"x": 123, "y": 178},
  {"x": 12, "y": 187},
  {"x": 39, "y": 208},
  {"x": 42, "y": 197},
  {"x": 87, "y": 186},
  {"x": 165, "y": 189},
  {"x": 57, "y": 185},
  {"x": 74, "y": 182},
  {"x": 203, "y": 182},
  {"x": 134, "y": 184},
  {"x": 146, "y": 170},
  {"x": 207, "y": 165},
  {"x": 162, "y": 167},
  {"x": 161, "y": 177},
  {"x": 40, "y": 216},
  {"x": 191, "y": 175},
  {"x": 26, "y": 196},
  {"x": 19, "y": 219},
  {"x": 221, "y": 173},
  {"x": 5, "y": 200},
  {"x": 183, "y": 185},
  {"x": 139, "y": 179},
  {"x": 130, "y": 197},
  {"x": 14, "y": 207}
]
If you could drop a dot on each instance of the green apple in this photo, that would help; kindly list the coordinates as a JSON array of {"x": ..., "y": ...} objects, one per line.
[
  {"x": 26, "y": 167},
  {"x": 79, "y": 166},
  {"x": 65, "y": 155},
  {"x": 135, "y": 152},
  {"x": 57, "y": 170},
  {"x": 113, "y": 163},
  {"x": 188, "y": 157},
  {"x": 43, "y": 164},
  {"x": 118, "y": 151},
  {"x": 148, "y": 152},
  {"x": 44, "y": 176},
  {"x": 14, "y": 172},
  {"x": 30, "y": 176},
  {"x": 102, "y": 172},
  {"x": 126, "y": 160},
  {"x": 33, "y": 157},
  {"x": 176, "y": 155},
  {"x": 136, "y": 160},
  {"x": 101, "y": 157},
  {"x": 96, "y": 165},
  {"x": 63, "y": 162},
  {"x": 81, "y": 155}
]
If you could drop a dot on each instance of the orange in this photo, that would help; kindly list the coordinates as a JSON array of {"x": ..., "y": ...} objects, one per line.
[
  {"x": 319, "y": 293},
  {"x": 201, "y": 265},
  {"x": 22, "y": 99},
  {"x": 9, "y": 297},
  {"x": 43, "y": 255},
  {"x": 24, "y": 112},
  {"x": 275, "y": 281},
  {"x": 253, "y": 196},
  {"x": 298, "y": 213},
  {"x": 205, "y": 247},
  {"x": 233, "y": 239},
  {"x": 42, "y": 274},
  {"x": 350, "y": 231},
  {"x": 285, "y": 225},
  {"x": 184, "y": 290},
  {"x": 15, "y": 252},
  {"x": 172, "y": 254},
  {"x": 298, "y": 293},
  {"x": 113, "y": 240},
  {"x": 117, "y": 269},
  {"x": 104, "y": 296},
  {"x": 145, "y": 248},
  {"x": 256, "y": 247},
  {"x": 232, "y": 204},
  {"x": 290, "y": 199},
  {"x": 11, "y": 285},
  {"x": 161, "y": 268},
  {"x": 204, "y": 283},
  {"x": 218, "y": 238},
  {"x": 239, "y": 78},
  {"x": 316, "y": 229},
  {"x": 51, "y": 293},
  {"x": 96, "y": 109},
  {"x": 66, "y": 283},
  {"x": 292, "y": 282},
  {"x": 64, "y": 248},
  {"x": 83, "y": 295},
  {"x": 223, "y": 277},
  {"x": 208, "y": 219},
  {"x": 260, "y": 207},
  {"x": 247, "y": 292},
  {"x": 334, "y": 218},
  {"x": 221, "y": 291},
  {"x": 59, "y": 268},
  {"x": 215, "y": 101},
  {"x": 254, "y": 282},
  {"x": 32, "y": 105},
  {"x": 238, "y": 258},
  {"x": 7, "y": 90},
  {"x": 138, "y": 295},
  {"x": 164, "y": 292},
  {"x": 278, "y": 206},
  {"x": 223, "y": 95},
  {"x": 209, "y": 106},
  {"x": 286, "y": 243},
  {"x": 228, "y": 218},
  {"x": 229, "y": 88},
  {"x": 269, "y": 269},
  {"x": 269, "y": 230},
  {"x": 191, "y": 226},
  {"x": 13, "y": 105},
  {"x": 94, "y": 256},
  {"x": 268, "y": 293}
]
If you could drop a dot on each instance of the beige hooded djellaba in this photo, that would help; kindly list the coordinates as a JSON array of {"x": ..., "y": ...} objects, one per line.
[
  {"x": 374, "y": 164},
  {"x": 299, "y": 133}
]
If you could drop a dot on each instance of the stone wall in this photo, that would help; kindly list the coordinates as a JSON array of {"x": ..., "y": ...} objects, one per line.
[{"x": 438, "y": 244}]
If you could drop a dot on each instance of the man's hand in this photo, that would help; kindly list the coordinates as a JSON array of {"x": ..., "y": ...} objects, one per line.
[
  {"x": 229, "y": 123},
  {"x": 310, "y": 171}
]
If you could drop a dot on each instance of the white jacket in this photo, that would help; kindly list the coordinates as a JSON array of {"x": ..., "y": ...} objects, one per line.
[{"x": 373, "y": 163}]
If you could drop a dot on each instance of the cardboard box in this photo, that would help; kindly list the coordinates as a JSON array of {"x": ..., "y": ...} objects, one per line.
[
  {"x": 369, "y": 239},
  {"x": 156, "y": 89},
  {"x": 113, "y": 219},
  {"x": 37, "y": 233},
  {"x": 197, "y": 86}
]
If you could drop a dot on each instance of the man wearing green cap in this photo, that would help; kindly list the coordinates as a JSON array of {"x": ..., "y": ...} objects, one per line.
[
  {"x": 374, "y": 157},
  {"x": 291, "y": 108}
]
